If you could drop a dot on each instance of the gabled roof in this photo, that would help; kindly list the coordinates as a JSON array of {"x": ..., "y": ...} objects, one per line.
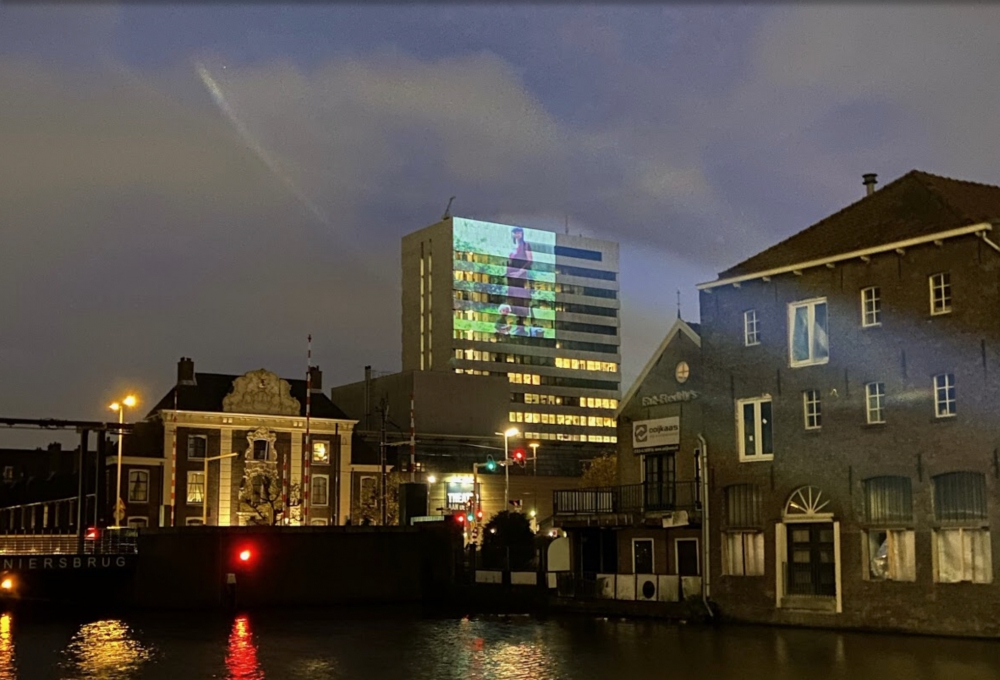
[
  {"x": 691, "y": 330},
  {"x": 915, "y": 205},
  {"x": 212, "y": 388}
]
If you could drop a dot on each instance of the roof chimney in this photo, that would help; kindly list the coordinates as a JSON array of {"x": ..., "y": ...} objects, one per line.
[
  {"x": 869, "y": 179},
  {"x": 185, "y": 372},
  {"x": 315, "y": 379}
]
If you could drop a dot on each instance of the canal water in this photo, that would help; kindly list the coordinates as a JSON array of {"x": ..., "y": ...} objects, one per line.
[{"x": 355, "y": 645}]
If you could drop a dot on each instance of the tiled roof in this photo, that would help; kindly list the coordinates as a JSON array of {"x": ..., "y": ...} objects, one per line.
[
  {"x": 212, "y": 388},
  {"x": 917, "y": 204}
]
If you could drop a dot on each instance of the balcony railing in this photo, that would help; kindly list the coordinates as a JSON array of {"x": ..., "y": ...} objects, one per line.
[{"x": 630, "y": 498}]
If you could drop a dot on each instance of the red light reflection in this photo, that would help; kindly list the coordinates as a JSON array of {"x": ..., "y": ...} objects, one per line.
[{"x": 241, "y": 657}]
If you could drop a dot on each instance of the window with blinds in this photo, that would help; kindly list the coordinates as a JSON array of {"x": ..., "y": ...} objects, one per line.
[
  {"x": 743, "y": 506},
  {"x": 960, "y": 497},
  {"x": 888, "y": 500}
]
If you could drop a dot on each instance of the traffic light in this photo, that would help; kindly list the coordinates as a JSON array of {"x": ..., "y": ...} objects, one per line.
[
  {"x": 459, "y": 518},
  {"x": 491, "y": 464},
  {"x": 519, "y": 456}
]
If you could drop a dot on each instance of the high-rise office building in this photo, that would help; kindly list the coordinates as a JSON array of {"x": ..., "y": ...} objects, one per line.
[{"x": 538, "y": 307}]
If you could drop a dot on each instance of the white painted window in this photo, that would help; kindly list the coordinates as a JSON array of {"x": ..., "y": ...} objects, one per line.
[
  {"x": 812, "y": 409},
  {"x": 319, "y": 496},
  {"x": 321, "y": 452},
  {"x": 944, "y": 395},
  {"x": 875, "y": 402},
  {"x": 195, "y": 487},
  {"x": 743, "y": 553},
  {"x": 754, "y": 430},
  {"x": 197, "y": 446},
  {"x": 751, "y": 329},
  {"x": 808, "y": 339},
  {"x": 871, "y": 306},
  {"x": 891, "y": 555},
  {"x": 138, "y": 486},
  {"x": 963, "y": 555},
  {"x": 940, "y": 288}
]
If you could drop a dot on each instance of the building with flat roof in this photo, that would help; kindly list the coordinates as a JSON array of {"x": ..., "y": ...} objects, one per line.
[{"x": 536, "y": 307}]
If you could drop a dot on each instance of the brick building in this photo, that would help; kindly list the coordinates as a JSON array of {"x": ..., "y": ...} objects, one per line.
[
  {"x": 850, "y": 375},
  {"x": 249, "y": 432},
  {"x": 642, "y": 539}
]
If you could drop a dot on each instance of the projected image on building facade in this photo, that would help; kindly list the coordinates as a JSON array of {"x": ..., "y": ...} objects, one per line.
[{"x": 505, "y": 279}]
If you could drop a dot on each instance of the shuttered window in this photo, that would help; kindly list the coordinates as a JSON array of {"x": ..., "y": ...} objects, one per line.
[
  {"x": 888, "y": 500},
  {"x": 743, "y": 506},
  {"x": 960, "y": 497}
]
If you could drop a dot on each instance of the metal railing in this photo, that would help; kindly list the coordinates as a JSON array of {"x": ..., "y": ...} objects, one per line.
[
  {"x": 109, "y": 541},
  {"x": 630, "y": 498}
]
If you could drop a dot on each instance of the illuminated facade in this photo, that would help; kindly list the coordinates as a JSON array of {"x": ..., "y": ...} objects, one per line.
[{"x": 537, "y": 307}]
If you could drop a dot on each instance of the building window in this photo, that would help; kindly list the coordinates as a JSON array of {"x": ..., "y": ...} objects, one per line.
[
  {"x": 321, "y": 452},
  {"x": 875, "y": 402},
  {"x": 963, "y": 555},
  {"x": 754, "y": 428},
  {"x": 197, "y": 446},
  {"x": 260, "y": 449},
  {"x": 743, "y": 553},
  {"x": 871, "y": 306},
  {"x": 195, "y": 487},
  {"x": 960, "y": 497},
  {"x": 891, "y": 555},
  {"x": 888, "y": 500},
  {"x": 138, "y": 486},
  {"x": 743, "y": 506},
  {"x": 8, "y": 473},
  {"x": 642, "y": 556},
  {"x": 137, "y": 522},
  {"x": 319, "y": 496},
  {"x": 808, "y": 340},
  {"x": 944, "y": 395},
  {"x": 940, "y": 285},
  {"x": 193, "y": 521},
  {"x": 751, "y": 331},
  {"x": 319, "y": 522},
  {"x": 811, "y": 409}
]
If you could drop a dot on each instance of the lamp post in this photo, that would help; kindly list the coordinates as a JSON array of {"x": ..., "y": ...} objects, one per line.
[
  {"x": 507, "y": 434},
  {"x": 534, "y": 473},
  {"x": 129, "y": 402},
  {"x": 204, "y": 485}
]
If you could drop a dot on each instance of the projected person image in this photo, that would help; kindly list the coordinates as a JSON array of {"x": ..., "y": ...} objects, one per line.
[{"x": 518, "y": 264}]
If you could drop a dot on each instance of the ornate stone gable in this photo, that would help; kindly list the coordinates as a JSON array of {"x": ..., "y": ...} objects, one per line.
[{"x": 261, "y": 392}]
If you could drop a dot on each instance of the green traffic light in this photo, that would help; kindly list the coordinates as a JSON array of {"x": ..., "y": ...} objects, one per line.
[
  {"x": 470, "y": 517},
  {"x": 491, "y": 465}
]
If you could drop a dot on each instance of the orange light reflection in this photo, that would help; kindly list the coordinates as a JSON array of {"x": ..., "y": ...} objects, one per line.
[{"x": 8, "y": 668}]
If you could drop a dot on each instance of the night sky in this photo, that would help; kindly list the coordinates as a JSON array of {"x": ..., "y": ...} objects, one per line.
[{"x": 218, "y": 182}]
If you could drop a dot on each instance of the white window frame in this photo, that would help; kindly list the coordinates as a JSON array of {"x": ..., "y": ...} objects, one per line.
[
  {"x": 875, "y": 394},
  {"x": 652, "y": 553},
  {"x": 940, "y": 293},
  {"x": 812, "y": 409},
  {"x": 137, "y": 522},
  {"x": 947, "y": 381},
  {"x": 970, "y": 574},
  {"x": 744, "y": 537},
  {"x": 128, "y": 492},
  {"x": 810, "y": 305},
  {"x": 319, "y": 522},
  {"x": 871, "y": 306},
  {"x": 751, "y": 328},
  {"x": 195, "y": 474},
  {"x": 312, "y": 488},
  {"x": 759, "y": 441},
  {"x": 901, "y": 544},
  {"x": 313, "y": 452},
  {"x": 193, "y": 437}
]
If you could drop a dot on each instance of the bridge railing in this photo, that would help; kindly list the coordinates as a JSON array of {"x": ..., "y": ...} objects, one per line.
[{"x": 108, "y": 541}]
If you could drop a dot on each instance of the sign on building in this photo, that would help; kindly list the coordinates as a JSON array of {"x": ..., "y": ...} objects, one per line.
[{"x": 661, "y": 434}]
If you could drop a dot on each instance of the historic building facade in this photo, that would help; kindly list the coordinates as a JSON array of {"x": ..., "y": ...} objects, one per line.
[
  {"x": 850, "y": 376},
  {"x": 231, "y": 450},
  {"x": 643, "y": 539}
]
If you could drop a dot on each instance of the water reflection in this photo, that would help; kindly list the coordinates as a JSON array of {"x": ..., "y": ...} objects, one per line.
[
  {"x": 241, "y": 656},
  {"x": 107, "y": 650},
  {"x": 8, "y": 669}
]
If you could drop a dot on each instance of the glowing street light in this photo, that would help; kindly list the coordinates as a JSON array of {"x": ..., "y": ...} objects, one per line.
[
  {"x": 431, "y": 479},
  {"x": 507, "y": 434},
  {"x": 127, "y": 402}
]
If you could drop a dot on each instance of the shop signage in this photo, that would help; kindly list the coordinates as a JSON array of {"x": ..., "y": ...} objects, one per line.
[
  {"x": 659, "y": 434},
  {"x": 657, "y": 399}
]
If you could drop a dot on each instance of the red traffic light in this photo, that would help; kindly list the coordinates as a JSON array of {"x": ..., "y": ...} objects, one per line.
[
  {"x": 460, "y": 517},
  {"x": 479, "y": 514},
  {"x": 519, "y": 455},
  {"x": 92, "y": 533}
]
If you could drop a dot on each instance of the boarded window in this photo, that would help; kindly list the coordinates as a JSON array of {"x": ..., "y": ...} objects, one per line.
[
  {"x": 960, "y": 497},
  {"x": 888, "y": 500},
  {"x": 743, "y": 506}
]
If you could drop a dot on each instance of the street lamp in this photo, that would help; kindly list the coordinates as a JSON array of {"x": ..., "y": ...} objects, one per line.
[
  {"x": 128, "y": 402},
  {"x": 507, "y": 434},
  {"x": 204, "y": 486}
]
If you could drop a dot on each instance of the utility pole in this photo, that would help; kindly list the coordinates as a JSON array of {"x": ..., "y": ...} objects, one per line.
[{"x": 384, "y": 413}]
